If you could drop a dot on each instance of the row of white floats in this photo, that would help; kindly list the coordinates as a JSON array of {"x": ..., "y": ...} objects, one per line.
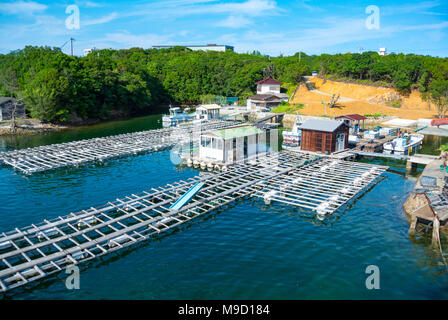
[
  {"x": 82, "y": 223},
  {"x": 203, "y": 164},
  {"x": 323, "y": 207},
  {"x": 97, "y": 157}
]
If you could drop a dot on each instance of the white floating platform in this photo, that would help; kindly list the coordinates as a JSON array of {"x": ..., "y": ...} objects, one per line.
[{"x": 319, "y": 184}]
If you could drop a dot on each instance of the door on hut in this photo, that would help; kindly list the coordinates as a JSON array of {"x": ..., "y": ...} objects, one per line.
[{"x": 340, "y": 142}]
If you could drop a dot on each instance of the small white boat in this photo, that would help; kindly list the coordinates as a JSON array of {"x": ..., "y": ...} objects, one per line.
[
  {"x": 353, "y": 139},
  {"x": 403, "y": 145},
  {"x": 292, "y": 139},
  {"x": 176, "y": 117}
]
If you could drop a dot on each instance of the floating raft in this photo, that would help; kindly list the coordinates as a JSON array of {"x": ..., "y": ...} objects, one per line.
[
  {"x": 54, "y": 156},
  {"x": 319, "y": 184}
]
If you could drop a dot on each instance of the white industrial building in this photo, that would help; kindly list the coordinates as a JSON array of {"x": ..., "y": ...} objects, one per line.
[
  {"x": 208, "y": 47},
  {"x": 90, "y": 50},
  {"x": 382, "y": 52}
]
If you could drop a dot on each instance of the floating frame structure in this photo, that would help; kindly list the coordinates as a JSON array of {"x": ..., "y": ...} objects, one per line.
[
  {"x": 299, "y": 179},
  {"x": 32, "y": 160}
]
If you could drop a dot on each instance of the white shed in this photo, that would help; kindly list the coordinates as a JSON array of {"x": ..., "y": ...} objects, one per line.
[
  {"x": 208, "y": 111},
  {"x": 236, "y": 143}
]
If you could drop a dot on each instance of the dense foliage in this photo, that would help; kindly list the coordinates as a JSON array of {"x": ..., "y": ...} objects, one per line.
[{"x": 59, "y": 88}]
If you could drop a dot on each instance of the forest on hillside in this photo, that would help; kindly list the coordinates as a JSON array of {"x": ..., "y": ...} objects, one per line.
[{"x": 59, "y": 88}]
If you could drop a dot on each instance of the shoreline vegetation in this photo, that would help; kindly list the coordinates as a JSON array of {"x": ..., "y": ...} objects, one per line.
[
  {"x": 110, "y": 84},
  {"x": 30, "y": 126}
]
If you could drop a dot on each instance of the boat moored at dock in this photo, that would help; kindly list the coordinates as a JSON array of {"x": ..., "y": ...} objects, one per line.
[
  {"x": 292, "y": 139},
  {"x": 176, "y": 117},
  {"x": 404, "y": 145}
]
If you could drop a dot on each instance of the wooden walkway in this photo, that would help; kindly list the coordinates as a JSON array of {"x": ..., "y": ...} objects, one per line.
[
  {"x": 417, "y": 158},
  {"x": 54, "y": 156},
  {"x": 380, "y": 155},
  {"x": 315, "y": 183}
]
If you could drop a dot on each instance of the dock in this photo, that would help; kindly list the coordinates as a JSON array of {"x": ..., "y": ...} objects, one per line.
[
  {"x": 411, "y": 160},
  {"x": 380, "y": 155},
  {"x": 272, "y": 118},
  {"x": 373, "y": 145},
  {"x": 427, "y": 207},
  {"x": 32, "y": 160},
  {"x": 319, "y": 184}
]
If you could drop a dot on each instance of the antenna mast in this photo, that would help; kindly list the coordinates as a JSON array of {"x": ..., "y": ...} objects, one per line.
[{"x": 71, "y": 46}]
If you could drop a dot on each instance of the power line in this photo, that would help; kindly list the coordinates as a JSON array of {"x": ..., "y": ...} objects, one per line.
[{"x": 71, "y": 45}]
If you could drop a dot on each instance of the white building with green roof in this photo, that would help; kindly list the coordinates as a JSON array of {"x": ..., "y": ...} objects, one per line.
[{"x": 236, "y": 143}]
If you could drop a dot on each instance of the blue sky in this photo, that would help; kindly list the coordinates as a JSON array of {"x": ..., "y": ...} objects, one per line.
[{"x": 271, "y": 27}]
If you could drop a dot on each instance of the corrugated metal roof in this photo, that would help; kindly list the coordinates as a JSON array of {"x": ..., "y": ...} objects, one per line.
[
  {"x": 321, "y": 125},
  {"x": 213, "y": 106},
  {"x": 236, "y": 132}
]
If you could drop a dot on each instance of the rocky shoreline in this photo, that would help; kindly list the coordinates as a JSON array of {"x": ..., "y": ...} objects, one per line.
[
  {"x": 428, "y": 204},
  {"x": 30, "y": 128}
]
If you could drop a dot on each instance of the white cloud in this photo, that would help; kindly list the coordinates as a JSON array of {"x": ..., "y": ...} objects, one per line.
[
  {"x": 238, "y": 12},
  {"x": 434, "y": 26},
  {"x": 232, "y": 21},
  {"x": 409, "y": 8},
  {"x": 102, "y": 20},
  {"x": 130, "y": 40},
  {"x": 304, "y": 4},
  {"x": 251, "y": 8},
  {"x": 330, "y": 34},
  {"x": 21, "y": 7},
  {"x": 91, "y": 4}
]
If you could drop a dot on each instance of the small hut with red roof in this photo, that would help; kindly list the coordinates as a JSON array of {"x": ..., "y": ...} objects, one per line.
[{"x": 354, "y": 121}]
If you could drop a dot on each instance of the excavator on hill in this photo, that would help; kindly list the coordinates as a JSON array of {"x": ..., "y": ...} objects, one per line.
[{"x": 334, "y": 100}]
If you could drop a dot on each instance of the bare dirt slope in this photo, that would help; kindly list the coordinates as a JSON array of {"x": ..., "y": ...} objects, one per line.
[{"x": 366, "y": 100}]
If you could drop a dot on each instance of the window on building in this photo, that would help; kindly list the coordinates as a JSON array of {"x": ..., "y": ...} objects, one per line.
[{"x": 219, "y": 144}]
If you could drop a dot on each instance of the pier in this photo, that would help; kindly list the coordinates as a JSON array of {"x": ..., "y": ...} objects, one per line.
[
  {"x": 54, "y": 156},
  {"x": 319, "y": 184},
  {"x": 411, "y": 161},
  {"x": 272, "y": 118}
]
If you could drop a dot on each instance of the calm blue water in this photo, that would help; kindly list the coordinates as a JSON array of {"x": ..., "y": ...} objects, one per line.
[{"x": 251, "y": 251}]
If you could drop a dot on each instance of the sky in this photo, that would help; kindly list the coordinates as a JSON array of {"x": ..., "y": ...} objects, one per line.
[{"x": 271, "y": 27}]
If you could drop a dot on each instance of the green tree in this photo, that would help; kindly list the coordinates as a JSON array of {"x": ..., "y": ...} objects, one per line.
[
  {"x": 438, "y": 91},
  {"x": 45, "y": 93}
]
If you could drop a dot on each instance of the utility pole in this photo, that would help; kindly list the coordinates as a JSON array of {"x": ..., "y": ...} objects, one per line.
[{"x": 71, "y": 46}]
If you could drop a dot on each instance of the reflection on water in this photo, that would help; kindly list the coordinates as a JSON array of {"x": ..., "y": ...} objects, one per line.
[
  {"x": 431, "y": 144},
  {"x": 79, "y": 133},
  {"x": 249, "y": 251}
]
